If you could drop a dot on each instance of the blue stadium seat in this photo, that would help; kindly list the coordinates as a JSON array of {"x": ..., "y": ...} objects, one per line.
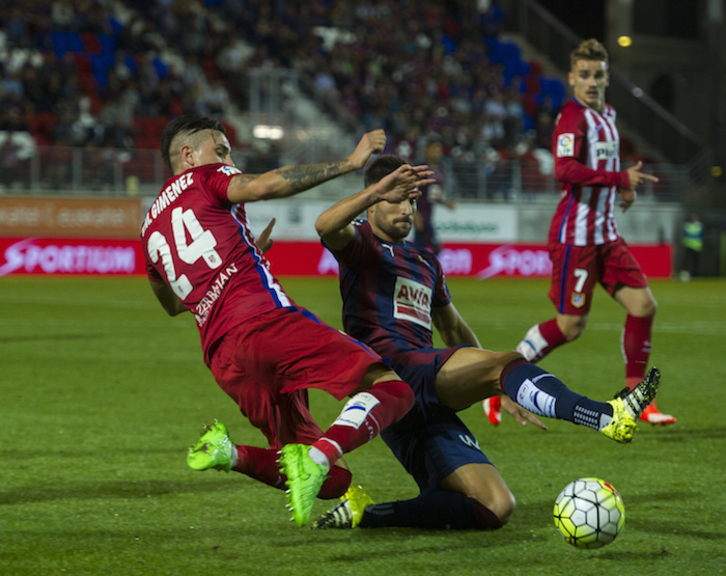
[
  {"x": 108, "y": 43},
  {"x": 162, "y": 70},
  {"x": 527, "y": 122}
]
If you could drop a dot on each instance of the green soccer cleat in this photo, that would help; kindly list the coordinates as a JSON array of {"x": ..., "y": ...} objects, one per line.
[
  {"x": 348, "y": 513},
  {"x": 628, "y": 405},
  {"x": 212, "y": 450},
  {"x": 304, "y": 479}
]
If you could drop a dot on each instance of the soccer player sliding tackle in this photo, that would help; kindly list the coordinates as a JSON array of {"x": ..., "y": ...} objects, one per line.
[
  {"x": 263, "y": 350},
  {"x": 394, "y": 293}
]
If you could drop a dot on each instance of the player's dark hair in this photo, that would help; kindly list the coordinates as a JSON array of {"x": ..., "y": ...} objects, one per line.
[
  {"x": 381, "y": 167},
  {"x": 186, "y": 125},
  {"x": 589, "y": 50}
]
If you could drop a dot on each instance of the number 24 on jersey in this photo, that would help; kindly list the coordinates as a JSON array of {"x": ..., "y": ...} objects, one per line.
[{"x": 202, "y": 245}]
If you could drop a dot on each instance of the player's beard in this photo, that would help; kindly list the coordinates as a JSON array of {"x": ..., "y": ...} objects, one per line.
[{"x": 397, "y": 229}]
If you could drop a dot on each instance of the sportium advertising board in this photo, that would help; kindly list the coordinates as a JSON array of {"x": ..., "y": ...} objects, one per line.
[
  {"x": 70, "y": 256},
  {"x": 90, "y": 236},
  {"x": 478, "y": 242},
  {"x": 47, "y": 235},
  {"x": 462, "y": 259}
]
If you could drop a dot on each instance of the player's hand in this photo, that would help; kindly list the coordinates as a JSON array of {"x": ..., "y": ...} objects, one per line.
[
  {"x": 520, "y": 414},
  {"x": 637, "y": 177},
  {"x": 372, "y": 143},
  {"x": 264, "y": 242},
  {"x": 627, "y": 197},
  {"x": 404, "y": 183}
]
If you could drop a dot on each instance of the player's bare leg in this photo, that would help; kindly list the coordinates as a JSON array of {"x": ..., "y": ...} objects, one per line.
[
  {"x": 473, "y": 375},
  {"x": 641, "y": 307},
  {"x": 572, "y": 326},
  {"x": 470, "y": 376}
]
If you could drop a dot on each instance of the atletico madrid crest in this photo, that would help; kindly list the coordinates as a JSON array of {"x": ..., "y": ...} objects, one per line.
[{"x": 578, "y": 300}]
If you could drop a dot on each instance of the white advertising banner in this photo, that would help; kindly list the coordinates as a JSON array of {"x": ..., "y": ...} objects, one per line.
[
  {"x": 294, "y": 220},
  {"x": 466, "y": 223},
  {"x": 476, "y": 223}
]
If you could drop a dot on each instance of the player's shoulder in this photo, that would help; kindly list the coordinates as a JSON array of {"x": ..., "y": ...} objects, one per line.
[
  {"x": 609, "y": 111},
  {"x": 213, "y": 179},
  {"x": 572, "y": 113},
  {"x": 224, "y": 169},
  {"x": 361, "y": 240},
  {"x": 362, "y": 228},
  {"x": 210, "y": 170}
]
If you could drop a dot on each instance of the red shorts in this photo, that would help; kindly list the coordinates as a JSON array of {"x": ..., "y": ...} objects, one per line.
[
  {"x": 267, "y": 363},
  {"x": 577, "y": 269}
]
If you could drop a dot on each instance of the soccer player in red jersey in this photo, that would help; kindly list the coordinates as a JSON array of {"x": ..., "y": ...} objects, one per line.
[
  {"x": 584, "y": 244},
  {"x": 394, "y": 293},
  {"x": 263, "y": 350}
]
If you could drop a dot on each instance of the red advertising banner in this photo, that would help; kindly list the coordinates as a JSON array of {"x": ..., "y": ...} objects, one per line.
[
  {"x": 288, "y": 258},
  {"x": 70, "y": 256},
  {"x": 474, "y": 260}
]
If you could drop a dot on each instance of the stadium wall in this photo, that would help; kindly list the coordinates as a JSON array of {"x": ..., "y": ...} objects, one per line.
[
  {"x": 50, "y": 235},
  {"x": 63, "y": 235}
]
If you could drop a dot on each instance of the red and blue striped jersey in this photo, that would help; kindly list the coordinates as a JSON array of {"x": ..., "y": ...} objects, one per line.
[
  {"x": 200, "y": 244},
  {"x": 389, "y": 291}
]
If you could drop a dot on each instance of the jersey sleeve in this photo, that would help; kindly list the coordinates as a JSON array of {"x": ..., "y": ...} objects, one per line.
[
  {"x": 217, "y": 178},
  {"x": 569, "y": 138},
  {"x": 442, "y": 296},
  {"x": 355, "y": 249}
]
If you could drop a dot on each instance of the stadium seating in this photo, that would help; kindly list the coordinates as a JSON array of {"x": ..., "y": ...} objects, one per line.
[{"x": 97, "y": 53}]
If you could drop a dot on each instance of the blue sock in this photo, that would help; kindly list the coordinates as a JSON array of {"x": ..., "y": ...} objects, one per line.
[
  {"x": 437, "y": 510},
  {"x": 545, "y": 395}
]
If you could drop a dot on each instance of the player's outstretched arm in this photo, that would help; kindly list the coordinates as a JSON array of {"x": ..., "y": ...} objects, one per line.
[
  {"x": 452, "y": 328},
  {"x": 291, "y": 180},
  {"x": 166, "y": 297},
  {"x": 572, "y": 171},
  {"x": 334, "y": 225}
]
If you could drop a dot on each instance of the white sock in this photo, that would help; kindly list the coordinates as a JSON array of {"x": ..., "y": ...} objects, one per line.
[
  {"x": 532, "y": 344},
  {"x": 605, "y": 420},
  {"x": 318, "y": 457},
  {"x": 234, "y": 456}
]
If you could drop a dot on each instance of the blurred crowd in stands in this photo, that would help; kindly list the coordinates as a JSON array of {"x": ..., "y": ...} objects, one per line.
[{"x": 110, "y": 73}]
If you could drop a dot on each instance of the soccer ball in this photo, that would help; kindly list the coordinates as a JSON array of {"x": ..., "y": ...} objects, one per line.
[{"x": 589, "y": 513}]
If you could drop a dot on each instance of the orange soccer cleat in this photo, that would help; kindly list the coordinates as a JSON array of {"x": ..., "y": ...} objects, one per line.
[
  {"x": 652, "y": 415},
  {"x": 493, "y": 409}
]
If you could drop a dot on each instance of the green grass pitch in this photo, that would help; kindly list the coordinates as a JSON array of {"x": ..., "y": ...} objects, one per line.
[{"x": 102, "y": 393}]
